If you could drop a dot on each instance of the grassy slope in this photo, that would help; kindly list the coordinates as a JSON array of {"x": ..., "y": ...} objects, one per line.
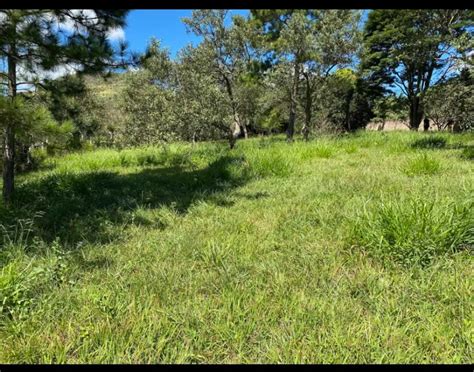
[{"x": 271, "y": 253}]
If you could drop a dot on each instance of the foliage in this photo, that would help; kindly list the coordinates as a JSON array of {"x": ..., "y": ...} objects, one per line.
[
  {"x": 305, "y": 45},
  {"x": 34, "y": 126},
  {"x": 68, "y": 98},
  {"x": 390, "y": 107},
  {"x": 148, "y": 101},
  {"x": 36, "y": 41},
  {"x": 412, "y": 49},
  {"x": 225, "y": 56},
  {"x": 201, "y": 106},
  {"x": 450, "y": 105}
]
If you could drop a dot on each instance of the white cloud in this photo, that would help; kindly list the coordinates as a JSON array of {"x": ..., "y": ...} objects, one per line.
[
  {"x": 59, "y": 71},
  {"x": 70, "y": 26},
  {"x": 116, "y": 34},
  {"x": 40, "y": 74}
]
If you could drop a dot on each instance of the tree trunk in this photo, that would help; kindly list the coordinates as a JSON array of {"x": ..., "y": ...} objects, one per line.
[
  {"x": 307, "y": 111},
  {"x": 456, "y": 127},
  {"x": 348, "y": 110},
  {"x": 235, "y": 128},
  {"x": 244, "y": 130},
  {"x": 234, "y": 133},
  {"x": 24, "y": 162},
  {"x": 348, "y": 115},
  {"x": 8, "y": 164},
  {"x": 426, "y": 124},
  {"x": 9, "y": 139},
  {"x": 306, "y": 132},
  {"x": 112, "y": 137},
  {"x": 292, "y": 117},
  {"x": 416, "y": 113}
]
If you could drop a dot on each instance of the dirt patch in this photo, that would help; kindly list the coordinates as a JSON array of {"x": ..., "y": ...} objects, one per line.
[{"x": 394, "y": 125}]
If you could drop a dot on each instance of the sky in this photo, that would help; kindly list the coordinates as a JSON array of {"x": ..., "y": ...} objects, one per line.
[{"x": 165, "y": 25}]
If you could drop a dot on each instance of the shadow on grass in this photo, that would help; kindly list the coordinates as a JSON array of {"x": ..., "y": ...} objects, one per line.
[
  {"x": 90, "y": 206},
  {"x": 467, "y": 153},
  {"x": 431, "y": 142},
  {"x": 437, "y": 143}
]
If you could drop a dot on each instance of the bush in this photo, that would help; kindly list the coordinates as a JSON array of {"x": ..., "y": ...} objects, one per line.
[
  {"x": 39, "y": 156},
  {"x": 414, "y": 231}
]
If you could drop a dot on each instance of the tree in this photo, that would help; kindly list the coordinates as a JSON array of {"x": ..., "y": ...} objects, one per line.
[
  {"x": 272, "y": 103},
  {"x": 249, "y": 89},
  {"x": 68, "y": 98},
  {"x": 102, "y": 108},
  {"x": 389, "y": 107},
  {"x": 286, "y": 36},
  {"x": 34, "y": 41},
  {"x": 450, "y": 105},
  {"x": 413, "y": 50},
  {"x": 334, "y": 44},
  {"x": 201, "y": 104},
  {"x": 343, "y": 102},
  {"x": 148, "y": 99},
  {"x": 34, "y": 123},
  {"x": 224, "y": 54},
  {"x": 308, "y": 45}
]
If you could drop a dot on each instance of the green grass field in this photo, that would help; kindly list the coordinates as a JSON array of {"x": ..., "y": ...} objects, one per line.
[{"x": 350, "y": 249}]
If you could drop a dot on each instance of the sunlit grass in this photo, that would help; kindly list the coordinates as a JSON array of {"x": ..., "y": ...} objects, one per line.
[{"x": 349, "y": 249}]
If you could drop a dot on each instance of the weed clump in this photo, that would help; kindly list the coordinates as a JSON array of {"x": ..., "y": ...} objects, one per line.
[
  {"x": 416, "y": 231},
  {"x": 422, "y": 165},
  {"x": 23, "y": 278},
  {"x": 468, "y": 153},
  {"x": 270, "y": 164}
]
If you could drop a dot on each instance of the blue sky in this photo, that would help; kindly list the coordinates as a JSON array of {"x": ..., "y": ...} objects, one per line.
[{"x": 165, "y": 25}]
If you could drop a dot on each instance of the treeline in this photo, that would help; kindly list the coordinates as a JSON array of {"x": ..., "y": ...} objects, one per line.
[{"x": 291, "y": 71}]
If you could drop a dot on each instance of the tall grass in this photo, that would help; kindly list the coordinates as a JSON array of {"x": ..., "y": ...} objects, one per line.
[
  {"x": 468, "y": 153},
  {"x": 351, "y": 248},
  {"x": 422, "y": 165},
  {"x": 416, "y": 230}
]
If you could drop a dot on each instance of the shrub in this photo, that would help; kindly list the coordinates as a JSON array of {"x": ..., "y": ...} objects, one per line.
[{"x": 39, "y": 156}]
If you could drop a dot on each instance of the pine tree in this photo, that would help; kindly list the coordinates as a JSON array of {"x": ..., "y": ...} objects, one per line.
[
  {"x": 35, "y": 41},
  {"x": 414, "y": 49}
]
